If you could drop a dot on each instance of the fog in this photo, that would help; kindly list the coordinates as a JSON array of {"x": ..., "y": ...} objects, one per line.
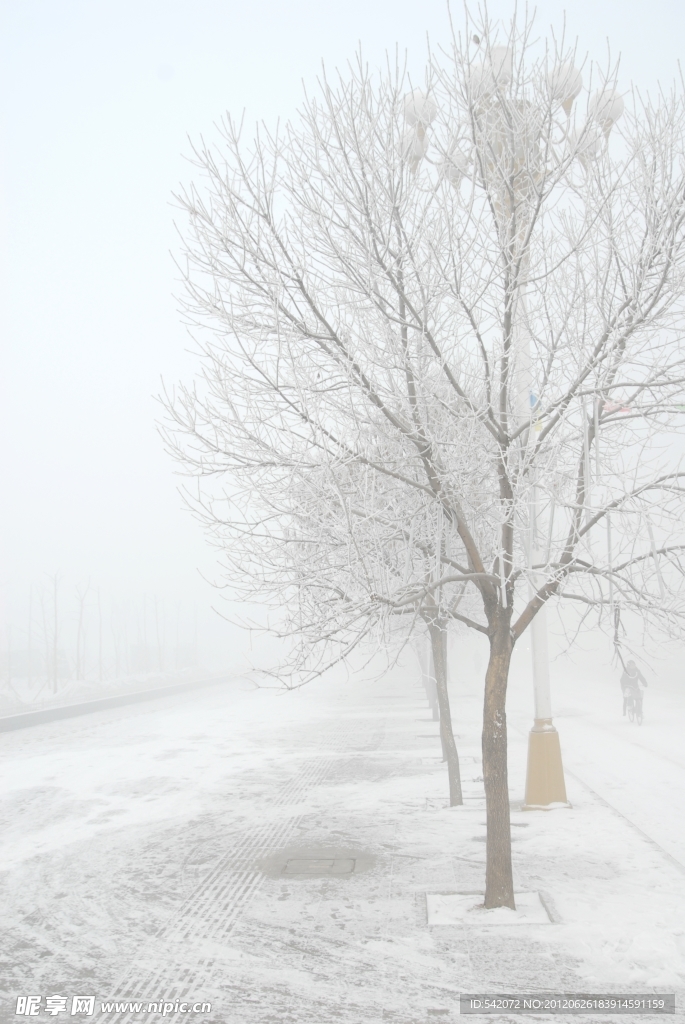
[
  {"x": 106, "y": 577},
  {"x": 98, "y": 103}
]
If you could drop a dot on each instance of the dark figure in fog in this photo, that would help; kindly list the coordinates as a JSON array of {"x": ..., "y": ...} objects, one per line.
[{"x": 630, "y": 683}]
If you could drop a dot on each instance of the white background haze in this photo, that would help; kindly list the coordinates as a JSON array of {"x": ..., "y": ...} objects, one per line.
[{"x": 97, "y": 102}]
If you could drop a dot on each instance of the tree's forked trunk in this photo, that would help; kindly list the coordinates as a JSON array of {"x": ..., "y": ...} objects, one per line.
[
  {"x": 499, "y": 880},
  {"x": 438, "y": 637}
]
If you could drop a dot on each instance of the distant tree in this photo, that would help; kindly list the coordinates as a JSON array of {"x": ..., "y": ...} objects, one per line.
[
  {"x": 469, "y": 293},
  {"x": 366, "y": 556},
  {"x": 81, "y": 598}
]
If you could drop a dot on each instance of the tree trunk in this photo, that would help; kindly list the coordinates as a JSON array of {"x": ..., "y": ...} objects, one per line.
[
  {"x": 433, "y": 696},
  {"x": 499, "y": 881},
  {"x": 430, "y": 686},
  {"x": 438, "y": 638}
]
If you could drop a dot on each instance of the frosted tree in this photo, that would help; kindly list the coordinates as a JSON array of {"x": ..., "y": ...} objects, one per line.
[
  {"x": 366, "y": 557},
  {"x": 474, "y": 292}
]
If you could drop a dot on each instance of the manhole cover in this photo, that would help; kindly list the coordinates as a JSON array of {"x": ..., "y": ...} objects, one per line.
[
  {"x": 319, "y": 866},
  {"x": 317, "y": 861}
]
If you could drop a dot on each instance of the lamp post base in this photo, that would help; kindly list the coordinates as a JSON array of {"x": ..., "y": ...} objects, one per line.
[{"x": 545, "y": 786}]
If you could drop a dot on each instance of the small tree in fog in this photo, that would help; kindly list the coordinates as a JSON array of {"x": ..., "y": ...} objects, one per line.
[
  {"x": 367, "y": 559},
  {"x": 473, "y": 293}
]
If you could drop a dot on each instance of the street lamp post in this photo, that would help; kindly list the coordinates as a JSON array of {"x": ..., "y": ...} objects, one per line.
[{"x": 545, "y": 785}]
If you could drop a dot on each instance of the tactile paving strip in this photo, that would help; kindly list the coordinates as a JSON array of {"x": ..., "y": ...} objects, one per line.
[{"x": 180, "y": 964}]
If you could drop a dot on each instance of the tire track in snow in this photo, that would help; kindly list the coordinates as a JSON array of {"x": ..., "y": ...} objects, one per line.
[{"x": 166, "y": 968}]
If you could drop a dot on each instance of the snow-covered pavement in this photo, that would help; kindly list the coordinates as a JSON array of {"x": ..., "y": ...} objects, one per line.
[{"x": 271, "y": 854}]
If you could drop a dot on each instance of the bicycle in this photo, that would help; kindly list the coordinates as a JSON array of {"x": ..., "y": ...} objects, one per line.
[{"x": 634, "y": 706}]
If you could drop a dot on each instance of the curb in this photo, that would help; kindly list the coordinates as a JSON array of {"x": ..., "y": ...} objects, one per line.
[{"x": 29, "y": 718}]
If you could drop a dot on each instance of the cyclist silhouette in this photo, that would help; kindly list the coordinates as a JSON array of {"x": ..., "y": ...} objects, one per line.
[{"x": 630, "y": 683}]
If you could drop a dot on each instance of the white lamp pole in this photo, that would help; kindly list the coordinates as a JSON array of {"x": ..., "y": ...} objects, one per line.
[{"x": 545, "y": 785}]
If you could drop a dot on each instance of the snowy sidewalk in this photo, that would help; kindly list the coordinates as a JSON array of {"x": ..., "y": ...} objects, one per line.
[{"x": 272, "y": 855}]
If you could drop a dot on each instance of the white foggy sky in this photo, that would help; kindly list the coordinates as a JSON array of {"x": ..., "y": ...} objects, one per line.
[{"x": 97, "y": 99}]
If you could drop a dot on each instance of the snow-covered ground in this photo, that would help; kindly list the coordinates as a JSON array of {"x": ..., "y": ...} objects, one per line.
[{"x": 272, "y": 854}]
